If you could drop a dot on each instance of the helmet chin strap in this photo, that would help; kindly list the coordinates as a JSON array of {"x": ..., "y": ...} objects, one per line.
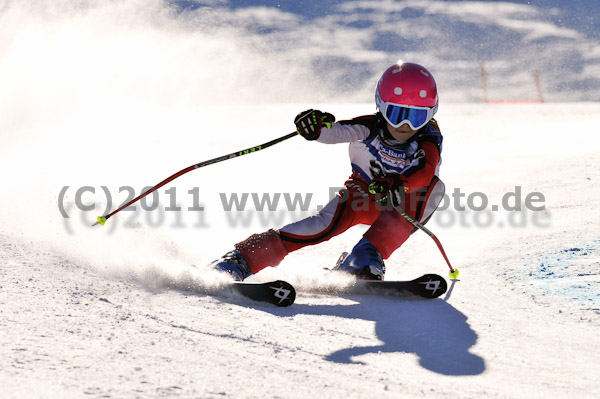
[
  {"x": 387, "y": 138},
  {"x": 384, "y": 133}
]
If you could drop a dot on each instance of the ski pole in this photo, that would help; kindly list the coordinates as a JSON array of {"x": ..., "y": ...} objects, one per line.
[
  {"x": 103, "y": 219},
  {"x": 453, "y": 272}
]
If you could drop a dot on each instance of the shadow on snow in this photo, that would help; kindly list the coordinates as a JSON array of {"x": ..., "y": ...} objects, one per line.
[{"x": 432, "y": 329}]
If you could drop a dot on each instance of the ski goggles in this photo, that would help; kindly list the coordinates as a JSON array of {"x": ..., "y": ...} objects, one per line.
[{"x": 415, "y": 117}]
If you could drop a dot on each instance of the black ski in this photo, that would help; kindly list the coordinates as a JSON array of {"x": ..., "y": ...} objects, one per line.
[
  {"x": 279, "y": 293},
  {"x": 427, "y": 286}
]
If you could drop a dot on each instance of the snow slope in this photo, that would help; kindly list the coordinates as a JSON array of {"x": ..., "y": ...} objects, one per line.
[
  {"x": 348, "y": 42},
  {"x": 122, "y": 314},
  {"x": 117, "y": 311}
]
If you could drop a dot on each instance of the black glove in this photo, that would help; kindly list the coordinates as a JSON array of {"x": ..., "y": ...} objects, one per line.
[
  {"x": 388, "y": 189},
  {"x": 310, "y": 122}
]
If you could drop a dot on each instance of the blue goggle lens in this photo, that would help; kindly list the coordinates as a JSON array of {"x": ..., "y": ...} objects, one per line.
[{"x": 396, "y": 114}]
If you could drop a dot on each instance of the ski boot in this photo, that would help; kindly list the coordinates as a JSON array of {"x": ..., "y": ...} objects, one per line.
[
  {"x": 233, "y": 263},
  {"x": 365, "y": 262}
]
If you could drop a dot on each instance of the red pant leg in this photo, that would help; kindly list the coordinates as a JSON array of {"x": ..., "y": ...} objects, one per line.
[
  {"x": 349, "y": 208},
  {"x": 391, "y": 229}
]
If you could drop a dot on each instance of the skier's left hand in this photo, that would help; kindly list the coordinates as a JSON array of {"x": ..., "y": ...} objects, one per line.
[{"x": 388, "y": 189}]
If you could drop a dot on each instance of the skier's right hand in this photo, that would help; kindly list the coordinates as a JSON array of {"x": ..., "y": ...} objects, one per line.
[{"x": 310, "y": 122}]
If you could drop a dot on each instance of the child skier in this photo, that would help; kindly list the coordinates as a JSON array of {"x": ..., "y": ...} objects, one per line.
[{"x": 395, "y": 157}]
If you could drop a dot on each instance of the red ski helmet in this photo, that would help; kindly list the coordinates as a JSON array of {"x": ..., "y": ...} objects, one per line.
[{"x": 407, "y": 93}]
